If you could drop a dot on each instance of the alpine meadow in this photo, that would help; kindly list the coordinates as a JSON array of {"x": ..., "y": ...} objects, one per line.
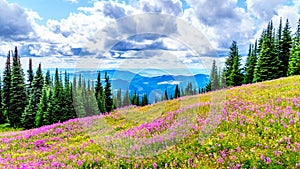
[{"x": 144, "y": 99}]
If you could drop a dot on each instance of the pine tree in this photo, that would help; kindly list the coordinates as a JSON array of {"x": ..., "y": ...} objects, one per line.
[
  {"x": 57, "y": 98},
  {"x": 166, "y": 95},
  {"x": 294, "y": 61},
  {"x": 29, "y": 115},
  {"x": 108, "y": 94},
  {"x": 30, "y": 76},
  {"x": 42, "y": 109},
  {"x": 48, "y": 79},
  {"x": 2, "y": 118},
  {"x": 6, "y": 105},
  {"x": 286, "y": 45},
  {"x": 18, "y": 92},
  {"x": 230, "y": 61},
  {"x": 126, "y": 100},
  {"x": 177, "y": 92},
  {"x": 118, "y": 101},
  {"x": 268, "y": 64},
  {"x": 250, "y": 64},
  {"x": 214, "y": 77},
  {"x": 145, "y": 100},
  {"x": 236, "y": 76}
]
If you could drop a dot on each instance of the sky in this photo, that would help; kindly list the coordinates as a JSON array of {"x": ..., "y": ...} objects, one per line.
[{"x": 135, "y": 34}]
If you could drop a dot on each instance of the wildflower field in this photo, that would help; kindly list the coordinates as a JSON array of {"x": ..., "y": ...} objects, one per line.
[{"x": 256, "y": 126}]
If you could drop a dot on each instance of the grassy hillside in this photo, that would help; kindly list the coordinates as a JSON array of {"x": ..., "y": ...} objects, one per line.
[{"x": 254, "y": 126}]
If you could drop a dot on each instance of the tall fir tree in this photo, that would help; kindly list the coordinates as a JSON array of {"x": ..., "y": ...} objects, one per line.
[
  {"x": 30, "y": 76},
  {"x": 18, "y": 92},
  {"x": 294, "y": 61},
  {"x": 177, "y": 92},
  {"x": 6, "y": 105},
  {"x": 2, "y": 117},
  {"x": 108, "y": 94},
  {"x": 126, "y": 99},
  {"x": 29, "y": 115},
  {"x": 230, "y": 61},
  {"x": 268, "y": 64},
  {"x": 285, "y": 47},
  {"x": 250, "y": 64}
]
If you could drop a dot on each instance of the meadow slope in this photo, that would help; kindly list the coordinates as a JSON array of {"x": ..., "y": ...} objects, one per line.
[{"x": 254, "y": 126}]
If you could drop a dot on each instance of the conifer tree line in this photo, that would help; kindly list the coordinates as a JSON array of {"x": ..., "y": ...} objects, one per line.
[
  {"x": 42, "y": 100},
  {"x": 275, "y": 54}
]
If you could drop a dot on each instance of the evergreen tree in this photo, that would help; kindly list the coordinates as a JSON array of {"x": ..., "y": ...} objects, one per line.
[
  {"x": 126, "y": 100},
  {"x": 30, "y": 76},
  {"x": 230, "y": 61},
  {"x": 57, "y": 98},
  {"x": 236, "y": 76},
  {"x": 250, "y": 64},
  {"x": 166, "y": 95},
  {"x": 18, "y": 93},
  {"x": 108, "y": 94},
  {"x": 6, "y": 105},
  {"x": 286, "y": 44},
  {"x": 2, "y": 118},
  {"x": 118, "y": 99},
  {"x": 29, "y": 115},
  {"x": 268, "y": 64},
  {"x": 42, "y": 109},
  {"x": 177, "y": 92},
  {"x": 145, "y": 100},
  {"x": 48, "y": 79},
  {"x": 294, "y": 61},
  {"x": 214, "y": 77}
]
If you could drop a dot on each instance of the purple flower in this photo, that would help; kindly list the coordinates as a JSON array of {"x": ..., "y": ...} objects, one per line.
[
  {"x": 262, "y": 157},
  {"x": 79, "y": 162},
  {"x": 220, "y": 160},
  {"x": 268, "y": 160},
  {"x": 154, "y": 165}
]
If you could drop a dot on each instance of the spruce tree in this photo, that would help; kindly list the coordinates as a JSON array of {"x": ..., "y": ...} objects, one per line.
[
  {"x": 29, "y": 115},
  {"x": 30, "y": 76},
  {"x": 177, "y": 92},
  {"x": 268, "y": 64},
  {"x": 214, "y": 78},
  {"x": 166, "y": 95},
  {"x": 42, "y": 109},
  {"x": 18, "y": 92},
  {"x": 6, "y": 105},
  {"x": 294, "y": 61},
  {"x": 126, "y": 100},
  {"x": 108, "y": 94},
  {"x": 48, "y": 79},
  {"x": 236, "y": 76},
  {"x": 250, "y": 64},
  {"x": 2, "y": 118},
  {"x": 230, "y": 61},
  {"x": 286, "y": 45}
]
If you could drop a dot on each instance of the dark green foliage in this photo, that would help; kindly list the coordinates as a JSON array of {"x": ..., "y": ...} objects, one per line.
[
  {"x": 29, "y": 115},
  {"x": 250, "y": 64},
  {"x": 268, "y": 64},
  {"x": 18, "y": 93},
  {"x": 30, "y": 76},
  {"x": 42, "y": 115},
  {"x": 232, "y": 71},
  {"x": 2, "y": 118},
  {"x": 285, "y": 47},
  {"x": 166, "y": 95},
  {"x": 145, "y": 100},
  {"x": 229, "y": 62},
  {"x": 6, "y": 105},
  {"x": 294, "y": 62},
  {"x": 118, "y": 99},
  {"x": 177, "y": 92},
  {"x": 108, "y": 94},
  {"x": 48, "y": 81}
]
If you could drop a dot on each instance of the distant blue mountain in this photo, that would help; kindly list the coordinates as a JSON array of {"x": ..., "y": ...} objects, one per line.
[{"x": 153, "y": 86}]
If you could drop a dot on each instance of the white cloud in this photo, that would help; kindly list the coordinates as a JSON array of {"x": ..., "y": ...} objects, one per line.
[{"x": 172, "y": 82}]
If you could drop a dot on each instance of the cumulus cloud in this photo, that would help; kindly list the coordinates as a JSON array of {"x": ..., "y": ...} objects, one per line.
[
  {"x": 264, "y": 9},
  {"x": 15, "y": 22}
]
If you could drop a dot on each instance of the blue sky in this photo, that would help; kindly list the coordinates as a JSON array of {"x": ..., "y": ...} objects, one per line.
[{"x": 78, "y": 33}]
